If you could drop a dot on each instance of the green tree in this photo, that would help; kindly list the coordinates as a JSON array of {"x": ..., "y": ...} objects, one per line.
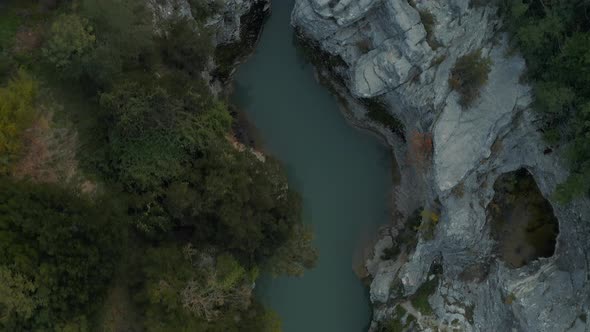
[
  {"x": 63, "y": 245},
  {"x": 295, "y": 255},
  {"x": 17, "y": 296},
  {"x": 71, "y": 41},
  {"x": 469, "y": 75},
  {"x": 124, "y": 39}
]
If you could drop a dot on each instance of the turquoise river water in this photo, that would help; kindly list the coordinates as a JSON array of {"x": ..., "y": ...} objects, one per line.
[{"x": 343, "y": 175}]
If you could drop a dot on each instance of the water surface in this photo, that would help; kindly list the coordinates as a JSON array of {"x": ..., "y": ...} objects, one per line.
[{"x": 343, "y": 175}]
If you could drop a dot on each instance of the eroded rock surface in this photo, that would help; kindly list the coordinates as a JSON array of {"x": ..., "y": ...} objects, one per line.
[
  {"x": 402, "y": 52},
  {"x": 225, "y": 21}
]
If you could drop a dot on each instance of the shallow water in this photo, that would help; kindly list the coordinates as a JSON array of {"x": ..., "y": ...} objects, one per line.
[{"x": 343, "y": 175}]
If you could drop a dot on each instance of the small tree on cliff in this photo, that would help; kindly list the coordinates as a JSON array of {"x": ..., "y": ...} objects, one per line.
[{"x": 468, "y": 76}]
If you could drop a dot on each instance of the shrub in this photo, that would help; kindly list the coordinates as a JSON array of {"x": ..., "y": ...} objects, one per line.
[
  {"x": 468, "y": 75},
  {"x": 429, "y": 21},
  {"x": 420, "y": 298}
]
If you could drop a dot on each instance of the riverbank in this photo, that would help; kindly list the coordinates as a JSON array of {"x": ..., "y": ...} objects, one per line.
[{"x": 342, "y": 173}]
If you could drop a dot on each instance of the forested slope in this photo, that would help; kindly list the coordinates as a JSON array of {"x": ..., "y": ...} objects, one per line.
[{"x": 124, "y": 201}]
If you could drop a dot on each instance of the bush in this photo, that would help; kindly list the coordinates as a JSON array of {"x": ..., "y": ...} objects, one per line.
[{"x": 468, "y": 75}]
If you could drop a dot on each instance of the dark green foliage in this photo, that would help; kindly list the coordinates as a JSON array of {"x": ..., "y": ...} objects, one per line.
[
  {"x": 9, "y": 23},
  {"x": 65, "y": 245},
  {"x": 186, "y": 46},
  {"x": 296, "y": 255},
  {"x": 124, "y": 39},
  {"x": 171, "y": 153},
  {"x": 400, "y": 321},
  {"x": 554, "y": 38},
  {"x": 72, "y": 40},
  {"x": 468, "y": 75}
]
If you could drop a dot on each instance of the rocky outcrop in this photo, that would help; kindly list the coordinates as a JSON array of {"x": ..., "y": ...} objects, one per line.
[
  {"x": 226, "y": 19},
  {"x": 235, "y": 20},
  {"x": 235, "y": 26},
  {"x": 401, "y": 52}
]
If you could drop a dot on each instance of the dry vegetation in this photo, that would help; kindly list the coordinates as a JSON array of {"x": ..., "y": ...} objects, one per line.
[{"x": 469, "y": 75}]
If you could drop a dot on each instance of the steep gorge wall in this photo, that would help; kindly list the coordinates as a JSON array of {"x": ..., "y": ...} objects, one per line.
[
  {"x": 401, "y": 54},
  {"x": 235, "y": 26}
]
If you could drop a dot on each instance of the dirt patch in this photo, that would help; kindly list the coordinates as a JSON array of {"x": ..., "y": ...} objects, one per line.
[{"x": 522, "y": 220}]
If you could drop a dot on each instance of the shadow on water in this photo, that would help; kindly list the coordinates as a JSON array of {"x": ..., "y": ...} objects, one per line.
[{"x": 343, "y": 175}]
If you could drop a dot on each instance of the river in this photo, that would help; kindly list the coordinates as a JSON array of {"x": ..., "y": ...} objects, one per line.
[{"x": 343, "y": 175}]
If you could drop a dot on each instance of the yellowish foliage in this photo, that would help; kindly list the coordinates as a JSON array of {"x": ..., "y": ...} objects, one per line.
[
  {"x": 431, "y": 216},
  {"x": 17, "y": 111}
]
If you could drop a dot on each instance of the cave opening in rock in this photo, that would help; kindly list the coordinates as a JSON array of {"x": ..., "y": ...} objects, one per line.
[{"x": 522, "y": 220}]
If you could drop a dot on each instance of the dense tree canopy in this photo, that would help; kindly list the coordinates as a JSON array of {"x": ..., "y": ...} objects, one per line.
[
  {"x": 57, "y": 251},
  {"x": 199, "y": 214},
  {"x": 554, "y": 36}
]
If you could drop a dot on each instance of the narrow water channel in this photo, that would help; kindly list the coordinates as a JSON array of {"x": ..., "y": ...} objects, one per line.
[{"x": 343, "y": 175}]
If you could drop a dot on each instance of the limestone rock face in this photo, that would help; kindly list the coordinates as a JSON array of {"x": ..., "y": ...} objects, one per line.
[
  {"x": 402, "y": 52},
  {"x": 226, "y": 23}
]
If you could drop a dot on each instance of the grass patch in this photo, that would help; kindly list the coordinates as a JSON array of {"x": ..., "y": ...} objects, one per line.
[
  {"x": 469, "y": 75},
  {"x": 9, "y": 23}
]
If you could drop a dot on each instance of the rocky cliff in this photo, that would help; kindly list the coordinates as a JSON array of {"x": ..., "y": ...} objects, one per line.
[{"x": 395, "y": 56}]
